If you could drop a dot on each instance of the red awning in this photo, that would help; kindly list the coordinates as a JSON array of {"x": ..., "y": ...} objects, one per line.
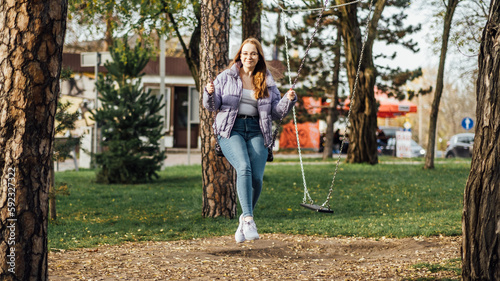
[{"x": 390, "y": 107}]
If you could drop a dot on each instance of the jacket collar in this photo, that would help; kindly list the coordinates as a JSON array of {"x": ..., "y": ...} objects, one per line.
[
  {"x": 235, "y": 69},
  {"x": 235, "y": 72}
]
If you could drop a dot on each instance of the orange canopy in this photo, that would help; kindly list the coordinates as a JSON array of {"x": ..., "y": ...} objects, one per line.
[
  {"x": 390, "y": 107},
  {"x": 308, "y": 135}
]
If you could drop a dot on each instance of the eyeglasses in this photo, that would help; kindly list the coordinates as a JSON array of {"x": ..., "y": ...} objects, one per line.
[{"x": 249, "y": 54}]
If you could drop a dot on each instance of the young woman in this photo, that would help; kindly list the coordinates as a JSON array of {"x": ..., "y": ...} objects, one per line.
[{"x": 248, "y": 100}]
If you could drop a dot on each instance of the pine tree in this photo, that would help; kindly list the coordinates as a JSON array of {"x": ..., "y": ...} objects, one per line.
[{"x": 129, "y": 119}]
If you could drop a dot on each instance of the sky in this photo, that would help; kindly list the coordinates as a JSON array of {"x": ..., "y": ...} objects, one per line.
[
  {"x": 419, "y": 12},
  {"x": 405, "y": 59}
]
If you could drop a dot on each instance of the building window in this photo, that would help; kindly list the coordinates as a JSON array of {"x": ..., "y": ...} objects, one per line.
[{"x": 165, "y": 112}]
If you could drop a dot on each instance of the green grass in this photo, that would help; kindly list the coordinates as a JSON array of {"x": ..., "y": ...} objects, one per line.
[
  {"x": 369, "y": 201},
  {"x": 307, "y": 157},
  {"x": 453, "y": 265}
]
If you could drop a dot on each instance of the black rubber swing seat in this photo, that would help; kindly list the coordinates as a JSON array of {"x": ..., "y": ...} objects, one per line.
[{"x": 317, "y": 208}]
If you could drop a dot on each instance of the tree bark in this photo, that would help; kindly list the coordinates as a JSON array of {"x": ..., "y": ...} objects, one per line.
[
  {"x": 448, "y": 18},
  {"x": 481, "y": 212},
  {"x": 219, "y": 192},
  {"x": 108, "y": 36},
  {"x": 363, "y": 118},
  {"x": 31, "y": 45},
  {"x": 332, "y": 116},
  {"x": 251, "y": 12}
]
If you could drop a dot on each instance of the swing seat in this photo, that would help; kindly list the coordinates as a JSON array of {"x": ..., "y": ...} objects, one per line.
[{"x": 317, "y": 208}]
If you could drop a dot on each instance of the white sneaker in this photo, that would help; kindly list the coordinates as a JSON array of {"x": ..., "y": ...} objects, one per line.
[
  {"x": 250, "y": 230},
  {"x": 239, "y": 236}
]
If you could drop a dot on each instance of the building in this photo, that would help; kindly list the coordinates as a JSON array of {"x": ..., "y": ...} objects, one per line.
[{"x": 179, "y": 86}]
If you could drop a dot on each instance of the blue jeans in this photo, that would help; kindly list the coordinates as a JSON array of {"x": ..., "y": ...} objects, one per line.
[{"x": 246, "y": 152}]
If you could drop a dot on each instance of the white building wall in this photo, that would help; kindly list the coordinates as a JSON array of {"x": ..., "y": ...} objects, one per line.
[
  {"x": 81, "y": 86},
  {"x": 169, "y": 80}
]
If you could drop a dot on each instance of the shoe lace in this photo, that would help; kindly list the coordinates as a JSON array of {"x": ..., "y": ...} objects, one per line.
[{"x": 251, "y": 225}]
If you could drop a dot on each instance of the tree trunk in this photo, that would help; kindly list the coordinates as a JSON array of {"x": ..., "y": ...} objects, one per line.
[
  {"x": 219, "y": 192},
  {"x": 108, "y": 36},
  {"x": 32, "y": 36},
  {"x": 448, "y": 17},
  {"x": 250, "y": 19},
  {"x": 363, "y": 119},
  {"x": 332, "y": 116},
  {"x": 481, "y": 213}
]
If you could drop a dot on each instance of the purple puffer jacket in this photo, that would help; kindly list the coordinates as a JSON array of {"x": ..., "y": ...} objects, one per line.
[{"x": 227, "y": 96}]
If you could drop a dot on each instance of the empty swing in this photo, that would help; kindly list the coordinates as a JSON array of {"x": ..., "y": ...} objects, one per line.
[{"x": 307, "y": 201}]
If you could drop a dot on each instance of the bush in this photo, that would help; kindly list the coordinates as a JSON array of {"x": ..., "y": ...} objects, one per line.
[{"x": 129, "y": 119}]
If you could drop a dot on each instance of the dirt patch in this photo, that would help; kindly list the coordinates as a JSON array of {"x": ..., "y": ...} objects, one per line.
[{"x": 273, "y": 257}]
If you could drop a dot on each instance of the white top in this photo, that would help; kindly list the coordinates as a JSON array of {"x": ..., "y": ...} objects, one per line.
[{"x": 248, "y": 103}]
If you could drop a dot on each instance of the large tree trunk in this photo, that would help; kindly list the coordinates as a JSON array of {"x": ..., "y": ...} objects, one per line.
[
  {"x": 332, "y": 116},
  {"x": 448, "y": 17},
  {"x": 219, "y": 192},
  {"x": 363, "y": 119},
  {"x": 250, "y": 19},
  {"x": 481, "y": 213},
  {"x": 32, "y": 37}
]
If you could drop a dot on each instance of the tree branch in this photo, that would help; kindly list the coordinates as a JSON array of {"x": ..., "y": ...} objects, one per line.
[
  {"x": 178, "y": 33},
  {"x": 377, "y": 14}
]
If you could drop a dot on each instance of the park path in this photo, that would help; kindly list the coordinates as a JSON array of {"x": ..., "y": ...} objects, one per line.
[
  {"x": 177, "y": 157},
  {"x": 274, "y": 257}
]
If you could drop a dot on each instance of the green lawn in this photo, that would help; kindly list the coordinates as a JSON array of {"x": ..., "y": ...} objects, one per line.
[{"x": 369, "y": 201}]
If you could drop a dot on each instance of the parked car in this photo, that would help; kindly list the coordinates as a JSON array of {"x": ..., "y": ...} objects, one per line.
[
  {"x": 460, "y": 145},
  {"x": 390, "y": 148},
  {"x": 384, "y": 133},
  {"x": 389, "y": 131}
]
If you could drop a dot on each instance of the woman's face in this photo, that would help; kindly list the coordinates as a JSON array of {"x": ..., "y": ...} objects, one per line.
[{"x": 249, "y": 55}]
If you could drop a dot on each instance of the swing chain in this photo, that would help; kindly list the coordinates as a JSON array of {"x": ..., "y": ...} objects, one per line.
[
  {"x": 316, "y": 27},
  {"x": 327, "y": 202},
  {"x": 316, "y": 9},
  {"x": 307, "y": 196}
]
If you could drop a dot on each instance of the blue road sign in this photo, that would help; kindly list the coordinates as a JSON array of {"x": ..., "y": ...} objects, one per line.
[{"x": 467, "y": 123}]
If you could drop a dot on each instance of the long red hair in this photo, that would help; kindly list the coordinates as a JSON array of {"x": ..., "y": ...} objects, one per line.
[{"x": 260, "y": 71}]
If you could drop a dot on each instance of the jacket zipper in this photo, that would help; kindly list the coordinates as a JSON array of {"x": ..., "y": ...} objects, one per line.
[{"x": 239, "y": 83}]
